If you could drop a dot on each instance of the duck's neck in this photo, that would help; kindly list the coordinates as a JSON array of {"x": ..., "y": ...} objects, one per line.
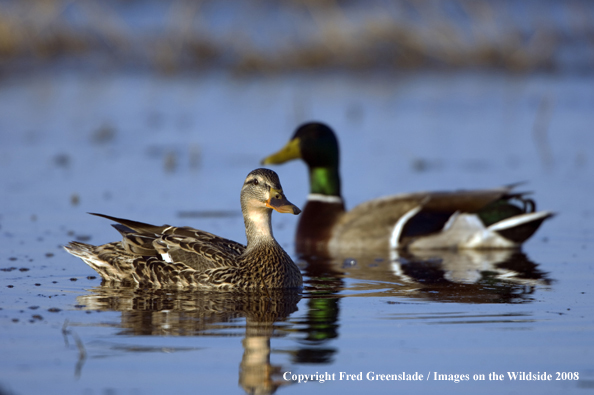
[
  {"x": 324, "y": 181},
  {"x": 258, "y": 227},
  {"x": 323, "y": 210}
]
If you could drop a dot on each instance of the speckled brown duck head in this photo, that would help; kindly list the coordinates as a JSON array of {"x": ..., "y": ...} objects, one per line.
[{"x": 261, "y": 193}]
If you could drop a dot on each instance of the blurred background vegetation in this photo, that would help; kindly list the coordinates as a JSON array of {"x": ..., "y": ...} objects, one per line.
[{"x": 264, "y": 36}]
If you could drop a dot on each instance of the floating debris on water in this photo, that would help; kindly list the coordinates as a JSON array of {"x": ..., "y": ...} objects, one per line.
[
  {"x": 349, "y": 262},
  {"x": 62, "y": 160},
  {"x": 170, "y": 162},
  {"x": 420, "y": 165},
  {"x": 104, "y": 134}
]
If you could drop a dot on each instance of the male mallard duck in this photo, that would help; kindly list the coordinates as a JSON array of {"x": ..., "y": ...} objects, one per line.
[
  {"x": 491, "y": 218},
  {"x": 168, "y": 256}
]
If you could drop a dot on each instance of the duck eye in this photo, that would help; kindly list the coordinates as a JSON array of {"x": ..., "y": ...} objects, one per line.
[{"x": 255, "y": 181}]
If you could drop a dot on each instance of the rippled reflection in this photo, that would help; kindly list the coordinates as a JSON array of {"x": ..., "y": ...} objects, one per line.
[
  {"x": 494, "y": 276},
  {"x": 188, "y": 313},
  {"x": 444, "y": 276},
  {"x": 191, "y": 313},
  {"x": 472, "y": 276}
]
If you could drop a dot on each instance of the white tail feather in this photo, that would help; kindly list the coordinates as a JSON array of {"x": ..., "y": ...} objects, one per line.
[{"x": 518, "y": 220}]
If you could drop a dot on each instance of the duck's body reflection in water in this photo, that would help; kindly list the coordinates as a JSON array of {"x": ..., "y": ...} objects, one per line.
[
  {"x": 321, "y": 322},
  {"x": 491, "y": 276},
  {"x": 441, "y": 276},
  {"x": 192, "y": 313},
  {"x": 496, "y": 276}
]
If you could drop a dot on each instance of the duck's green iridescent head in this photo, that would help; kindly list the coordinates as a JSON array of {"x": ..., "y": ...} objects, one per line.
[{"x": 315, "y": 144}]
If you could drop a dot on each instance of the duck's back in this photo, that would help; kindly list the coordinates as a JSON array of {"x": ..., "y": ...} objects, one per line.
[
  {"x": 384, "y": 223},
  {"x": 196, "y": 248}
]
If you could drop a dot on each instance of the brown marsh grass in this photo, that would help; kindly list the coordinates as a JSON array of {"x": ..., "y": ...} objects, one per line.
[{"x": 262, "y": 36}]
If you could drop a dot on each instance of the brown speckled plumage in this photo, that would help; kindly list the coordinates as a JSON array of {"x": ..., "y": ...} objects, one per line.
[{"x": 181, "y": 257}]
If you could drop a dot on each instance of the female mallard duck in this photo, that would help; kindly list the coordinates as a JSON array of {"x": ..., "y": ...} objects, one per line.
[
  {"x": 492, "y": 218},
  {"x": 168, "y": 256}
]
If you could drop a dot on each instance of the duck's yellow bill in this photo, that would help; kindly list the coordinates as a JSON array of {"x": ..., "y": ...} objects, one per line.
[{"x": 288, "y": 152}]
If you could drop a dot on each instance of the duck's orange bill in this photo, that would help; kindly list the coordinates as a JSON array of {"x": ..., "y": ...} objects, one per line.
[{"x": 279, "y": 202}]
